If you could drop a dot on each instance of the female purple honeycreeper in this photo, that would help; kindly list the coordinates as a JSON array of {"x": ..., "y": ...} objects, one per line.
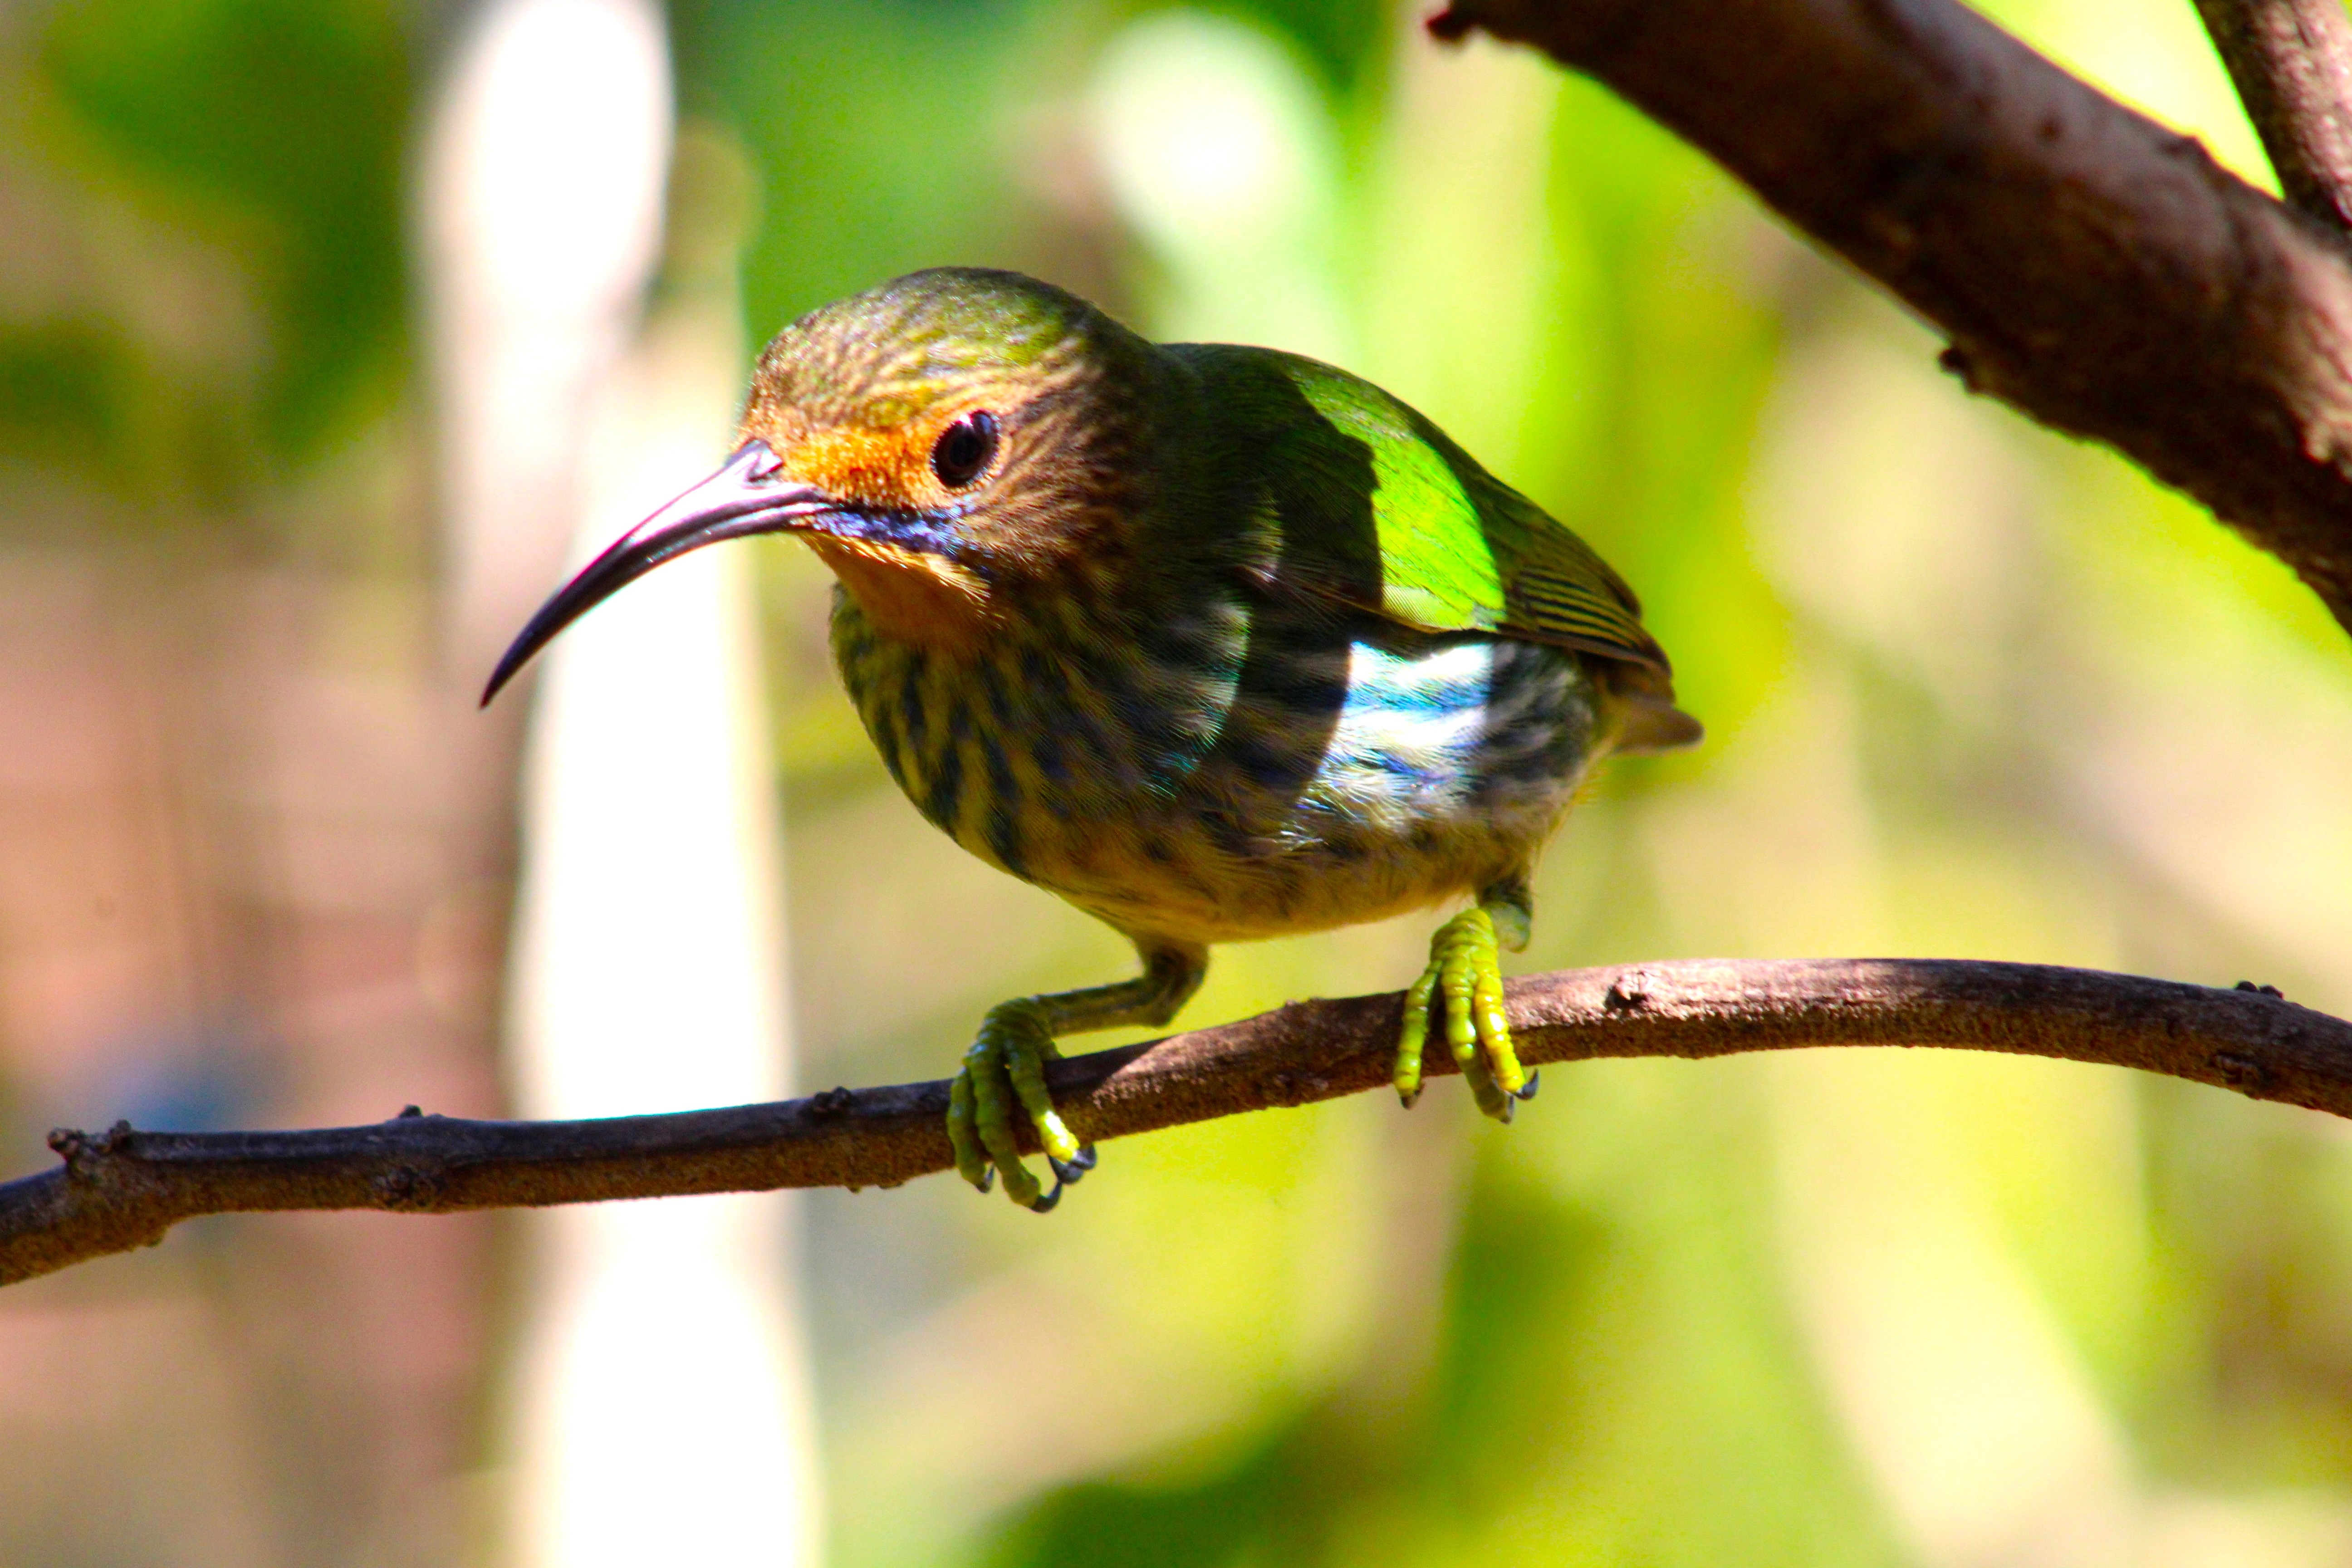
[{"x": 1214, "y": 642}]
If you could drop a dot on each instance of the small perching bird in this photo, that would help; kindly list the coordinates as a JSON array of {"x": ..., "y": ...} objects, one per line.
[{"x": 1214, "y": 642}]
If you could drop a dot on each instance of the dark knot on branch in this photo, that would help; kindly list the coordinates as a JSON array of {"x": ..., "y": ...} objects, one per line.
[{"x": 85, "y": 1153}]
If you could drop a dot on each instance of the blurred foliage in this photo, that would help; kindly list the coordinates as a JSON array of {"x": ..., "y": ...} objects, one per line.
[
  {"x": 264, "y": 144},
  {"x": 913, "y": 186}
]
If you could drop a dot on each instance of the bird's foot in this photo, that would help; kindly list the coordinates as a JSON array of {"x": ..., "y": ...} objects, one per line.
[
  {"x": 1461, "y": 994},
  {"x": 1005, "y": 1067}
]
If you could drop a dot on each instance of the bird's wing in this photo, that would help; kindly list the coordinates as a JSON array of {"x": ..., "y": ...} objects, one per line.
[
  {"x": 1365, "y": 503},
  {"x": 1378, "y": 508}
]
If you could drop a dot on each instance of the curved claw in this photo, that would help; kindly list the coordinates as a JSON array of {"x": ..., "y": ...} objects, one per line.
[
  {"x": 1046, "y": 1205},
  {"x": 1528, "y": 1090},
  {"x": 1068, "y": 1171}
]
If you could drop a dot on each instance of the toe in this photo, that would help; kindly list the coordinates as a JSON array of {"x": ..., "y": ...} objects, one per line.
[
  {"x": 993, "y": 1103},
  {"x": 964, "y": 1135},
  {"x": 1024, "y": 1066},
  {"x": 1413, "y": 1037},
  {"x": 1494, "y": 1032},
  {"x": 1460, "y": 1019},
  {"x": 1463, "y": 1038},
  {"x": 1484, "y": 1089}
]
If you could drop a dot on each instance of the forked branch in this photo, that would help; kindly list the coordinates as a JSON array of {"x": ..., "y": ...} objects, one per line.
[
  {"x": 124, "y": 1189},
  {"x": 2290, "y": 62},
  {"x": 2095, "y": 270}
]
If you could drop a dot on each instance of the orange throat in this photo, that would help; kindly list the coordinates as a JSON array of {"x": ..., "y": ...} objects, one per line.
[{"x": 909, "y": 595}]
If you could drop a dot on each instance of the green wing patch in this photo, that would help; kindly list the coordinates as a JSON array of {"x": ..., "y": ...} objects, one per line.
[{"x": 1457, "y": 550}]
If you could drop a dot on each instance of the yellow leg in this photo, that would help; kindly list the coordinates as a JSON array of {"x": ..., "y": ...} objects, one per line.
[
  {"x": 1461, "y": 994},
  {"x": 1005, "y": 1067}
]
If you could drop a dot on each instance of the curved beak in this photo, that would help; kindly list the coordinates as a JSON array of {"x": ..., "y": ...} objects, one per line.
[{"x": 743, "y": 497}]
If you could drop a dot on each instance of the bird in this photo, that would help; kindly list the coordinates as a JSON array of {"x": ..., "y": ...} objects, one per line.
[{"x": 1214, "y": 641}]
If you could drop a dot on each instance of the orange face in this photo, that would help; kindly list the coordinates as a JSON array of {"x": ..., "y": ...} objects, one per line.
[
  {"x": 937, "y": 462},
  {"x": 894, "y": 466}
]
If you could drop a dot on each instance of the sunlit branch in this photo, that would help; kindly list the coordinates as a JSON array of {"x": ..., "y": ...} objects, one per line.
[
  {"x": 2095, "y": 270},
  {"x": 124, "y": 1189},
  {"x": 2292, "y": 63}
]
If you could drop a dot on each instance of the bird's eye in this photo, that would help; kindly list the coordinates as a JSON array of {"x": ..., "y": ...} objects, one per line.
[{"x": 964, "y": 449}]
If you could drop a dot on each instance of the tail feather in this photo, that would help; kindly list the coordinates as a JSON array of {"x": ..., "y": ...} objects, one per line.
[
  {"x": 1652, "y": 724},
  {"x": 1647, "y": 719}
]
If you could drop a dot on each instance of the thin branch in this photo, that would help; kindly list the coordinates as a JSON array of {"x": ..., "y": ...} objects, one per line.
[
  {"x": 2095, "y": 270},
  {"x": 2292, "y": 63},
  {"x": 124, "y": 1189}
]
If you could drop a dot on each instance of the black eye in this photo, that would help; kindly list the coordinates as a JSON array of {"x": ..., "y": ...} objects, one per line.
[{"x": 964, "y": 449}]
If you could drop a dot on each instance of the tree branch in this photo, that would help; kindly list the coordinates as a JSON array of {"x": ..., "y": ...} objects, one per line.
[
  {"x": 124, "y": 1189},
  {"x": 2292, "y": 63},
  {"x": 2098, "y": 272}
]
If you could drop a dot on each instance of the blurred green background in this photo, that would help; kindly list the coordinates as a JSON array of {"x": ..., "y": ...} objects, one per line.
[{"x": 1971, "y": 690}]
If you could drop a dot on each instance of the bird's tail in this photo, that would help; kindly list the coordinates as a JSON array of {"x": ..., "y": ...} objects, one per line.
[
  {"x": 1646, "y": 719},
  {"x": 1651, "y": 725}
]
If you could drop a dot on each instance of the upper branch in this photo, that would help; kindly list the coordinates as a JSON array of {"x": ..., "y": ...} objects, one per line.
[
  {"x": 2095, "y": 270},
  {"x": 124, "y": 1188},
  {"x": 2292, "y": 63}
]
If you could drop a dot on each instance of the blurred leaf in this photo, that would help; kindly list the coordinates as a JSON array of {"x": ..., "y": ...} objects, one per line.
[
  {"x": 1257, "y": 1509},
  {"x": 61, "y": 384},
  {"x": 874, "y": 129},
  {"x": 278, "y": 128},
  {"x": 1345, "y": 39}
]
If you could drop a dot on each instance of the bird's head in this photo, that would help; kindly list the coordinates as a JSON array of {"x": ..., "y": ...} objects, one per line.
[{"x": 947, "y": 443}]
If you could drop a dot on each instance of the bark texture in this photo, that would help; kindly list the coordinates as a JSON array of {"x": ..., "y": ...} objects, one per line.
[
  {"x": 124, "y": 1188},
  {"x": 2290, "y": 62}
]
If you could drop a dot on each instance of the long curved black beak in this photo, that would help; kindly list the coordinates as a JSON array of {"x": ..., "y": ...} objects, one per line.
[{"x": 743, "y": 497}]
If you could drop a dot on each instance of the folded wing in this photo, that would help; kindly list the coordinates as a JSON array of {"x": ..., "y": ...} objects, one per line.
[{"x": 1375, "y": 506}]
